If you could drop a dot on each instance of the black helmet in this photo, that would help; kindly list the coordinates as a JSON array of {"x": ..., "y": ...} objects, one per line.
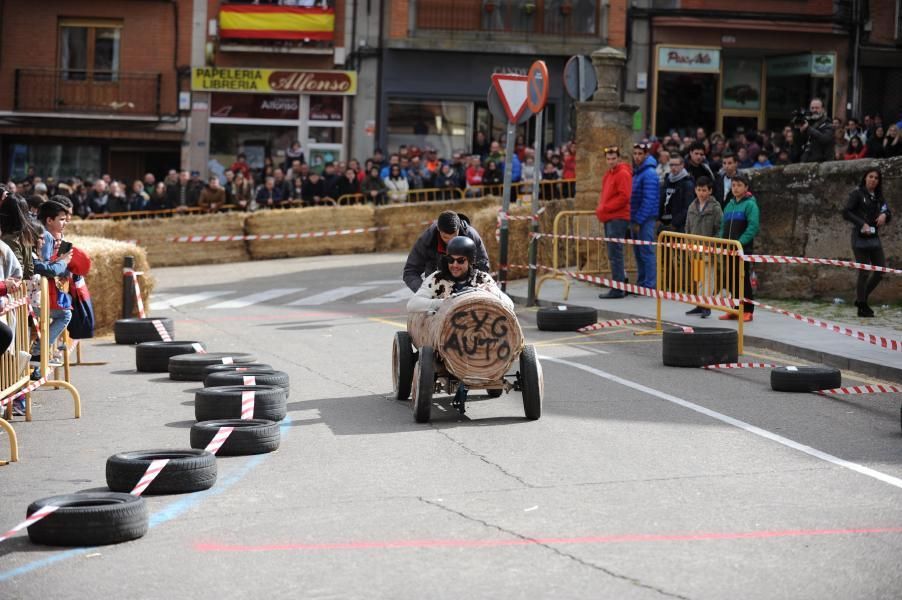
[{"x": 462, "y": 246}]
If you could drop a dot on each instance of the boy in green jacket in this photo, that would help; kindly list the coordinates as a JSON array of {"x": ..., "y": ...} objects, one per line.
[{"x": 741, "y": 222}]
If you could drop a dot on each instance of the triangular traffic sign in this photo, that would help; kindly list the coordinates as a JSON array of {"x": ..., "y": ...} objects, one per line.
[{"x": 512, "y": 90}]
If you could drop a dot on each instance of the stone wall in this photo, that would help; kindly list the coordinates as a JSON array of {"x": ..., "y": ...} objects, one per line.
[{"x": 801, "y": 215}]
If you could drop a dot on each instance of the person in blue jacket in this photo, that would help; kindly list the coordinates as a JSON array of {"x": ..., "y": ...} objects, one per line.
[{"x": 644, "y": 212}]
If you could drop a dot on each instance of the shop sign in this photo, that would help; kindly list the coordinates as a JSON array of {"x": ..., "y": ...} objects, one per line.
[
  {"x": 256, "y": 106},
  {"x": 814, "y": 65},
  {"x": 696, "y": 60},
  {"x": 272, "y": 81}
]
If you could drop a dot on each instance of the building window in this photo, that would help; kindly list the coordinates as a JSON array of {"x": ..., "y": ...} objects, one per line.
[
  {"x": 89, "y": 50},
  {"x": 444, "y": 126}
]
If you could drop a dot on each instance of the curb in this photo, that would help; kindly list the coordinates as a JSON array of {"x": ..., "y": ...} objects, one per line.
[{"x": 864, "y": 367}]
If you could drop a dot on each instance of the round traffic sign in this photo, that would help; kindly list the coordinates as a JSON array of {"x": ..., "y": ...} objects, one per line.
[
  {"x": 537, "y": 86},
  {"x": 580, "y": 80}
]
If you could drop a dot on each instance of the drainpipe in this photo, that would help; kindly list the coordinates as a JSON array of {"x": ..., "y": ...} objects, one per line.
[{"x": 856, "y": 49}]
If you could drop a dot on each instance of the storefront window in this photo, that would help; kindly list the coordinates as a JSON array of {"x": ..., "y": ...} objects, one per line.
[
  {"x": 55, "y": 160},
  {"x": 326, "y": 108},
  {"x": 741, "y": 84},
  {"x": 255, "y": 106},
  {"x": 325, "y": 135},
  {"x": 442, "y": 125},
  {"x": 686, "y": 101},
  {"x": 256, "y": 141}
]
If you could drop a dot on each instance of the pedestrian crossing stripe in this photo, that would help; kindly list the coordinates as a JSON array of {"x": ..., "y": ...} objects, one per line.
[{"x": 280, "y": 296}]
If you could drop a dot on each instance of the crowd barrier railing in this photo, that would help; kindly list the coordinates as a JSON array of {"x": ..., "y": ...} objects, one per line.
[
  {"x": 577, "y": 247},
  {"x": 695, "y": 265},
  {"x": 12, "y": 377}
]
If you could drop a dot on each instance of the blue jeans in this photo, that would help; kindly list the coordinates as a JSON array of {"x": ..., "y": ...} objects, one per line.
[
  {"x": 617, "y": 228},
  {"x": 59, "y": 319},
  {"x": 645, "y": 255}
]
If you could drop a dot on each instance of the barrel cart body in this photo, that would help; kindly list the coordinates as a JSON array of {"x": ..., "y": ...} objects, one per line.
[{"x": 473, "y": 339}]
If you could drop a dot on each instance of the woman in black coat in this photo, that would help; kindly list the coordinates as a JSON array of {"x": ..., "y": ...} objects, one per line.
[{"x": 868, "y": 212}]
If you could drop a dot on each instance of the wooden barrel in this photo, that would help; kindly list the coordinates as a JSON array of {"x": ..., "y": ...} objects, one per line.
[{"x": 476, "y": 336}]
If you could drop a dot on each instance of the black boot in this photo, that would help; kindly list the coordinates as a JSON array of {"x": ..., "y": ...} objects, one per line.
[{"x": 864, "y": 310}]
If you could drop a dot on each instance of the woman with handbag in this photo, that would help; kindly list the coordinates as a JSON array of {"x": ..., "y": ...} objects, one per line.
[{"x": 867, "y": 210}]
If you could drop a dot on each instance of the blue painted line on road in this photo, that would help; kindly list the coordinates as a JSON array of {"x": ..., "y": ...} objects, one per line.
[{"x": 168, "y": 513}]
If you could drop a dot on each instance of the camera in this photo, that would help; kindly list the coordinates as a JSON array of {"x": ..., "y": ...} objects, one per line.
[{"x": 800, "y": 116}]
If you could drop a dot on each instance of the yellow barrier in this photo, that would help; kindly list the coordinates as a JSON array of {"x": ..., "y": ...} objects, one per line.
[
  {"x": 573, "y": 254},
  {"x": 701, "y": 266},
  {"x": 12, "y": 379}
]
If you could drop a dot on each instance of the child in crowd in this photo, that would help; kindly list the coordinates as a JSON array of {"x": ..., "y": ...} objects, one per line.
[{"x": 703, "y": 218}]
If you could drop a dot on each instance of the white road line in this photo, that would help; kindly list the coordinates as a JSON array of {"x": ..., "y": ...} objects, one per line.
[
  {"x": 861, "y": 469},
  {"x": 170, "y": 301},
  {"x": 330, "y": 295},
  {"x": 257, "y": 298},
  {"x": 397, "y": 296},
  {"x": 383, "y": 281}
]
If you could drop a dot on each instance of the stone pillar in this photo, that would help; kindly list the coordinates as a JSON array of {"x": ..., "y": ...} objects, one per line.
[{"x": 601, "y": 122}]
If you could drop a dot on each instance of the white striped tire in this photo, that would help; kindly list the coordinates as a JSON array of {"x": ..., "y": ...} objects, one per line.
[
  {"x": 153, "y": 357},
  {"x": 190, "y": 367},
  {"x": 137, "y": 330},
  {"x": 260, "y": 377},
  {"x": 249, "y": 436},
  {"x": 225, "y": 402},
  {"x": 186, "y": 471},
  {"x": 805, "y": 379},
  {"x": 699, "y": 347},
  {"x": 89, "y": 519}
]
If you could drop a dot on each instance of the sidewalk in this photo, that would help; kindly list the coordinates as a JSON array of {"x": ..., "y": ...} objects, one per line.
[{"x": 769, "y": 330}]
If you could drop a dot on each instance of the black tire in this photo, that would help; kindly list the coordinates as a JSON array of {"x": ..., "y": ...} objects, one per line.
[
  {"x": 89, "y": 519},
  {"x": 261, "y": 377},
  {"x": 186, "y": 471},
  {"x": 565, "y": 318},
  {"x": 532, "y": 383},
  {"x": 225, "y": 402},
  {"x": 135, "y": 331},
  {"x": 239, "y": 367},
  {"x": 703, "y": 346},
  {"x": 190, "y": 367},
  {"x": 423, "y": 385},
  {"x": 494, "y": 393},
  {"x": 250, "y": 436},
  {"x": 153, "y": 357},
  {"x": 402, "y": 365},
  {"x": 804, "y": 379}
]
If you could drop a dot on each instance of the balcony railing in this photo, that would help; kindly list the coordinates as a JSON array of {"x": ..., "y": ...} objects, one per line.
[
  {"x": 53, "y": 90},
  {"x": 510, "y": 18}
]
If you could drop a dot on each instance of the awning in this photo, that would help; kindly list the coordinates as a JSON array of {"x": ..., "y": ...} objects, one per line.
[{"x": 256, "y": 22}]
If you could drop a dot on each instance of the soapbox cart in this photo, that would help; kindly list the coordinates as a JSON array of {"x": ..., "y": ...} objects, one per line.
[{"x": 474, "y": 340}]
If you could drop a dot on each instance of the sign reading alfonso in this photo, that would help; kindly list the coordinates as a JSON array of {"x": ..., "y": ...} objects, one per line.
[{"x": 271, "y": 81}]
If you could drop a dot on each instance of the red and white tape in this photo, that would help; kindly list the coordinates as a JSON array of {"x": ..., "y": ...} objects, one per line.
[
  {"x": 613, "y": 323},
  {"x": 29, "y": 388},
  {"x": 249, "y": 379},
  {"x": 11, "y": 306},
  {"x": 877, "y": 340},
  {"x": 161, "y": 329},
  {"x": 134, "y": 275},
  {"x": 644, "y": 291},
  {"x": 228, "y": 360},
  {"x": 198, "y": 348},
  {"x": 247, "y": 404},
  {"x": 153, "y": 470},
  {"x": 222, "y": 434},
  {"x": 31, "y": 520},
  {"x": 801, "y": 260},
  {"x": 36, "y": 321},
  {"x": 745, "y": 365},
  {"x": 862, "y": 389},
  {"x": 289, "y": 236}
]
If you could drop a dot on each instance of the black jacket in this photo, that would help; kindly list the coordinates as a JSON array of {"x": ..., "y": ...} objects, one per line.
[
  {"x": 863, "y": 209},
  {"x": 817, "y": 141},
  {"x": 722, "y": 195},
  {"x": 423, "y": 258},
  {"x": 676, "y": 196}
]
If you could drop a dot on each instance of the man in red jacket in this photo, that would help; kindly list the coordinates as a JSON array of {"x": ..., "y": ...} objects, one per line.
[{"x": 614, "y": 212}]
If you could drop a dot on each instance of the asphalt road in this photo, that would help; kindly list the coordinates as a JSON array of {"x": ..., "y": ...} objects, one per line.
[{"x": 639, "y": 481}]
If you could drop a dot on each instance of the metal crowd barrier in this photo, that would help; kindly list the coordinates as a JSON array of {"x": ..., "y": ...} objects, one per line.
[
  {"x": 12, "y": 379},
  {"x": 701, "y": 266},
  {"x": 571, "y": 252}
]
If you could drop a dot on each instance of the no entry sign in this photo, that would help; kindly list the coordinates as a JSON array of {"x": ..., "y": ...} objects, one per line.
[{"x": 537, "y": 86}]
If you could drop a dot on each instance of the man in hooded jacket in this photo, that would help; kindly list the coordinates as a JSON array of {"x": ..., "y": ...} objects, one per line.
[
  {"x": 644, "y": 213},
  {"x": 424, "y": 256}
]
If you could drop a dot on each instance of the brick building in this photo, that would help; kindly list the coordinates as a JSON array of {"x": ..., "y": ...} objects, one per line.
[
  {"x": 879, "y": 30},
  {"x": 265, "y": 75},
  {"x": 92, "y": 87}
]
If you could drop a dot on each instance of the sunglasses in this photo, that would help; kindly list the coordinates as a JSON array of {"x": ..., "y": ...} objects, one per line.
[
  {"x": 612, "y": 149},
  {"x": 458, "y": 260},
  {"x": 641, "y": 146}
]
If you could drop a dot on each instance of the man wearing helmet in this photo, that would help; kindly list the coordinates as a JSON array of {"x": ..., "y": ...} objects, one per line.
[
  {"x": 456, "y": 274},
  {"x": 424, "y": 256}
]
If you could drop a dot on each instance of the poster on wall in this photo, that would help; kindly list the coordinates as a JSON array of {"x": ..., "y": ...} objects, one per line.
[{"x": 741, "y": 84}]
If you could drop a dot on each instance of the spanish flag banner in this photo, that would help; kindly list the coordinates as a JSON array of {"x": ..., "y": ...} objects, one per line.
[{"x": 276, "y": 22}]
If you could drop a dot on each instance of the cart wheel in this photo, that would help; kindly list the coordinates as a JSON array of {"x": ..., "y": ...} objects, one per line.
[
  {"x": 532, "y": 382},
  {"x": 494, "y": 393},
  {"x": 423, "y": 384},
  {"x": 402, "y": 361}
]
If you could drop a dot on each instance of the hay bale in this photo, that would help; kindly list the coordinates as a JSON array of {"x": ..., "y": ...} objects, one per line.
[
  {"x": 105, "y": 277},
  {"x": 405, "y": 222},
  {"x": 101, "y": 228},
  {"x": 154, "y": 235},
  {"x": 311, "y": 220}
]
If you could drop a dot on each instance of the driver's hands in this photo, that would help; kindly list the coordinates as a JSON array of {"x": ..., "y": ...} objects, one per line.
[{"x": 465, "y": 290}]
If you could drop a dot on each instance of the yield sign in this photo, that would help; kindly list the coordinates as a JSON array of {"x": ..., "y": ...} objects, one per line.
[{"x": 512, "y": 89}]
